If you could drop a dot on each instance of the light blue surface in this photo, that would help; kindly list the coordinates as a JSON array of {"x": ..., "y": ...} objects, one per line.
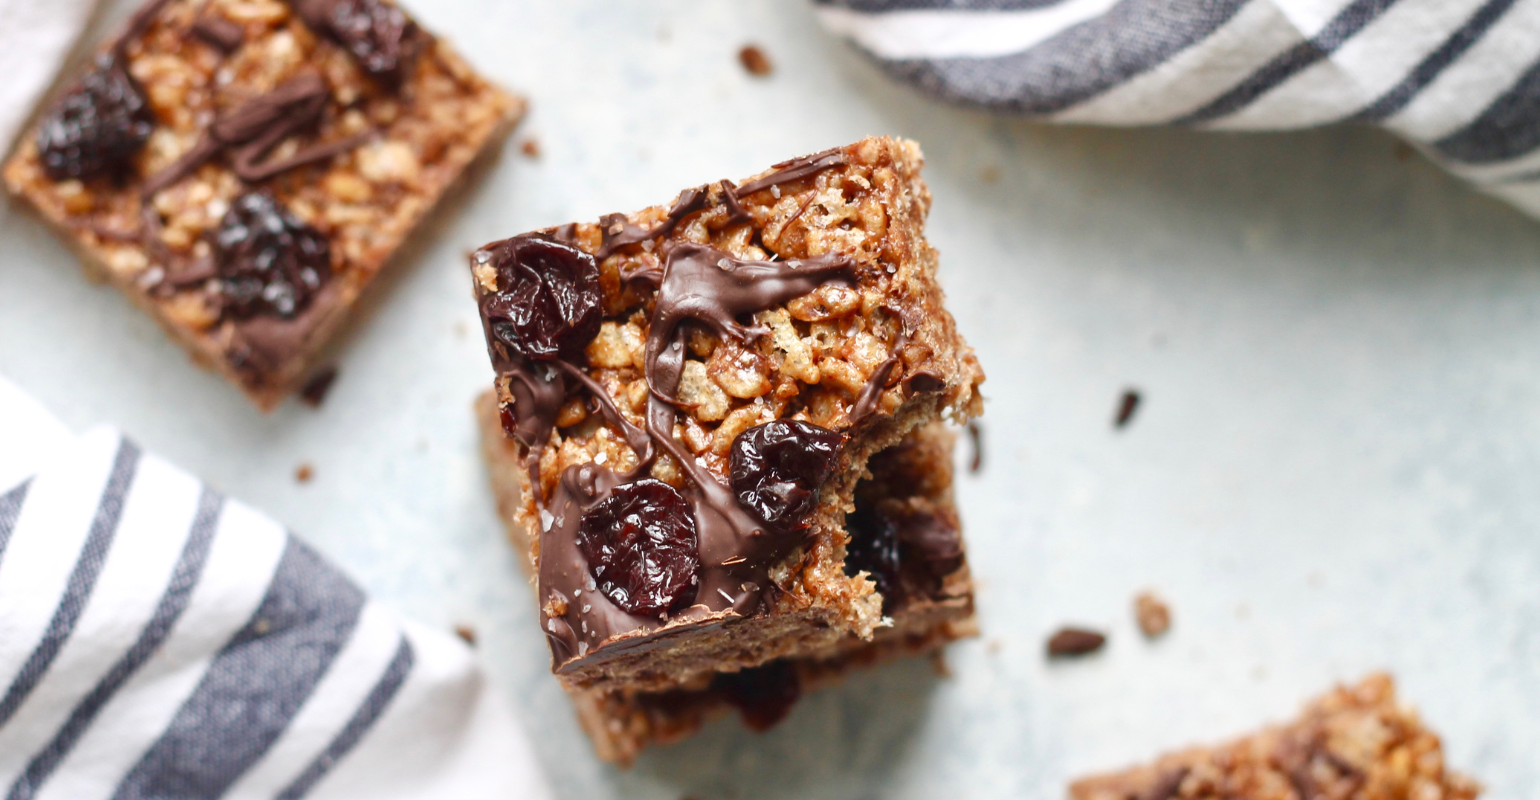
[{"x": 1336, "y": 467}]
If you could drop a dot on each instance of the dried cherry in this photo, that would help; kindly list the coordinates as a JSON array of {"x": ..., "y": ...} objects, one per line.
[
  {"x": 777, "y": 468},
  {"x": 640, "y": 544},
  {"x": 763, "y": 695},
  {"x": 268, "y": 261},
  {"x": 97, "y": 127},
  {"x": 547, "y": 304},
  {"x": 874, "y": 546},
  {"x": 375, "y": 32}
]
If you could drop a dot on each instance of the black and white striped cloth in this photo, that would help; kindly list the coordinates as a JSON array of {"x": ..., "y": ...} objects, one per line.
[
  {"x": 1460, "y": 79},
  {"x": 160, "y": 640}
]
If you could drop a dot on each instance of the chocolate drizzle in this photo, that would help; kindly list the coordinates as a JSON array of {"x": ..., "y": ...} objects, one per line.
[
  {"x": 619, "y": 231},
  {"x": 698, "y": 285},
  {"x": 710, "y": 287},
  {"x": 255, "y": 128},
  {"x": 871, "y": 393},
  {"x": 794, "y": 169}
]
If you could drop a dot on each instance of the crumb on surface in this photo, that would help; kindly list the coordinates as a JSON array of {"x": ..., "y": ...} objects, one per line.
[
  {"x": 530, "y": 147},
  {"x": 976, "y": 439},
  {"x": 755, "y": 61},
  {"x": 304, "y": 472},
  {"x": 1153, "y": 614},
  {"x": 466, "y": 633},
  {"x": 1127, "y": 406},
  {"x": 1071, "y": 641}
]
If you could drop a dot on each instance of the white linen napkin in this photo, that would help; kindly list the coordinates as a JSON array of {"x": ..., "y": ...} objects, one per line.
[
  {"x": 1459, "y": 79},
  {"x": 158, "y": 639}
]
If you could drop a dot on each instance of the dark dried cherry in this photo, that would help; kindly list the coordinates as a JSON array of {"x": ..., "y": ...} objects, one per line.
[
  {"x": 777, "y": 468},
  {"x": 763, "y": 695},
  {"x": 374, "y": 32},
  {"x": 97, "y": 127},
  {"x": 268, "y": 260},
  {"x": 874, "y": 546},
  {"x": 547, "y": 304},
  {"x": 640, "y": 544}
]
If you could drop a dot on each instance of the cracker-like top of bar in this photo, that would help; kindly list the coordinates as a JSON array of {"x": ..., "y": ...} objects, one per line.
[
  {"x": 1354, "y": 743},
  {"x": 698, "y": 388},
  {"x": 243, "y": 169}
]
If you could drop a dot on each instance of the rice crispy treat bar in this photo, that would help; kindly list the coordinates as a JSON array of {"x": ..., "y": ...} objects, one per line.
[
  {"x": 912, "y": 478},
  {"x": 243, "y": 169},
  {"x": 1354, "y": 743},
  {"x": 696, "y": 390}
]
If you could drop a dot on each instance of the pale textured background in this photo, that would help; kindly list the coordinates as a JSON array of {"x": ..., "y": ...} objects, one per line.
[{"x": 1336, "y": 467}]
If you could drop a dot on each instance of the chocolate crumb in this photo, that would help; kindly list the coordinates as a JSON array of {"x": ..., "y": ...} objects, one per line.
[
  {"x": 304, "y": 472},
  {"x": 530, "y": 148},
  {"x": 1074, "y": 642},
  {"x": 755, "y": 61},
  {"x": 1126, "y": 408},
  {"x": 315, "y": 389},
  {"x": 976, "y": 437},
  {"x": 1153, "y": 614},
  {"x": 467, "y": 633}
]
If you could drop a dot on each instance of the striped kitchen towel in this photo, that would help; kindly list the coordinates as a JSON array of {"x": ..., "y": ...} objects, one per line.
[
  {"x": 1460, "y": 79},
  {"x": 160, "y": 640}
]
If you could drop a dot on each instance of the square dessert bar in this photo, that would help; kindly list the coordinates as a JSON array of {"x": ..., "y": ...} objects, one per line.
[
  {"x": 696, "y": 390},
  {"x": 1354, "y": 743},
  {"x": 909, "y": 482},
  {"x": 243, "y": 169}
]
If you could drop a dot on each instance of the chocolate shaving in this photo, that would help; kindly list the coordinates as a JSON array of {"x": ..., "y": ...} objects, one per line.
[{"x": 735, "y": 210}]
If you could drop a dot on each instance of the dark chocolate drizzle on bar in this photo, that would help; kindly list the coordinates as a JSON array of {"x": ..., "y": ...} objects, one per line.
[
  {"x": 251, "y": 131},
  {"x": 795, "y": 169},
  {"x": 697, "y": 285}
]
